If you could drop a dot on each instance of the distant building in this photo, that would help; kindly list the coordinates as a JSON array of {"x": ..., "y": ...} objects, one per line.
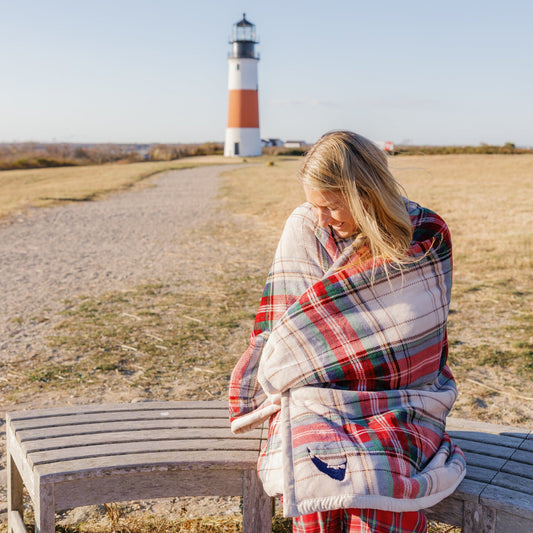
[
  {"x": 386, "y": 146},
  {"x": 295, "y": 144},
  {"x": 271, "y": 142}
]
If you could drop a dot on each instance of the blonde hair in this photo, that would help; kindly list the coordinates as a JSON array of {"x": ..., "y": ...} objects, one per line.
[{"x": 350, "y": 164}]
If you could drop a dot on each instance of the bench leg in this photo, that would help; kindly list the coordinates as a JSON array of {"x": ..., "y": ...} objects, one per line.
[
  {"x": 15, "y": 503},
  {"x": 478, "y": 519},
  {"x": 257, "y": 505},
  {"x": 45, "y": 518}
]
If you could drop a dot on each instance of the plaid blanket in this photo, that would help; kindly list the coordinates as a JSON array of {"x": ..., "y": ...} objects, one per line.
[{"x": 348, "y": 361}]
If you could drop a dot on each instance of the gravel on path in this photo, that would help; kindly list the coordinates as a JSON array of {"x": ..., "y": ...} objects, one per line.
[
  {"x": 86, "y": 248},
  {"x": 50, "y": 255}
]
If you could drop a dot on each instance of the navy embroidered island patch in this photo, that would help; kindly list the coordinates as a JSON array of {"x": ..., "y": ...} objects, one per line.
[{"x": 334, "y": 471}]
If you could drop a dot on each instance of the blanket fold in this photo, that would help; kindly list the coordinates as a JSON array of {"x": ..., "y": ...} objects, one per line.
[{"x": 348, "y": 361}]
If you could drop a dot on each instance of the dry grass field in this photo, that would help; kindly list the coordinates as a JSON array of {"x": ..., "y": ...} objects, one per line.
[
  {"x": 486, "y": 201},
  {"x": 159, "y": 341}
]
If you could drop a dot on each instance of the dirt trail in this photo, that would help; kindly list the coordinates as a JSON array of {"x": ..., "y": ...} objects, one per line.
[{"x": 50, "y": 255}]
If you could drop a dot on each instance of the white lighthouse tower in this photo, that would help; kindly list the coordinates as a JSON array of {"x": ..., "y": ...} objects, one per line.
[{"x": 242, "y": 133}]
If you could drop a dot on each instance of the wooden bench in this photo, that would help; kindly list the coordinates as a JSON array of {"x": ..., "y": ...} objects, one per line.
[
  {"x": 69, "y": 457},
  {"x": 84, "y": 455}
]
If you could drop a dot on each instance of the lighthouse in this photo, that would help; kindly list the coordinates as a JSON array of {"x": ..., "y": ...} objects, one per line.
[{"x": 242, "y": 132}]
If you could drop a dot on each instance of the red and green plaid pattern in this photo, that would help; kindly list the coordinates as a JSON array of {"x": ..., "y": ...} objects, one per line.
[
  {"x": 354, "y": 354},
  {"x": 360, "y": 521}
]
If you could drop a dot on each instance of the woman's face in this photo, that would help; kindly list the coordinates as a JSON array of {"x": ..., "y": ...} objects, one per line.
[{"x": 331, "y": 210}]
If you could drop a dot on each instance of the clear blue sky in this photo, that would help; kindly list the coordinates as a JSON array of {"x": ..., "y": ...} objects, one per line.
[{"x": 455, "y": 72}]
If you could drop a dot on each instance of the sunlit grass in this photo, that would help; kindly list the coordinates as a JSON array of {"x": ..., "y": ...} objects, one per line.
[{"x": 486, "y": 201}]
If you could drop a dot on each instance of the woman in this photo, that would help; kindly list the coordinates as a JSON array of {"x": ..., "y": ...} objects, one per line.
[{"x": 348, "y": 354}]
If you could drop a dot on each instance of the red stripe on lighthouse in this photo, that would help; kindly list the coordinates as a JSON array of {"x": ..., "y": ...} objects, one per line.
[{"x": 243, "y": 109}]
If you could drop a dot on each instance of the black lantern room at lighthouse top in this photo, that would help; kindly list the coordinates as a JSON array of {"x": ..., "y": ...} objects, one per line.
[{"x": 243, "y": 39}]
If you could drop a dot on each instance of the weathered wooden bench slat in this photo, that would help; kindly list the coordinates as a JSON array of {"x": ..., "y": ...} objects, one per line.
[
  {"x": 127, "y": 448},
  {"x": 120, "y": 416},
  {"x": 140, "y": 435},
  {"x": 490, "y": 450},
  {"x": 483, "y": 475},
  {"x": 470, "y": 490},
  {"x": 86, "y": 429},
  {"x": 484, "y": 461},
  {"x": 509, "y": 500},
  {"x": 518, "y": 468},
  {"x": 190, "y": 459},
  {"x": 523, "y": 456},
  {"x": 527, "y": 444},
  {"x": 475, "y": 438},
  {"x": 197, "y": 406},
  {"x": 517, "y": 483}
]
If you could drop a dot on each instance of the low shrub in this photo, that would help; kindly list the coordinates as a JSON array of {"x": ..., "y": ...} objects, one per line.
[{"x": 15, "y": 156}]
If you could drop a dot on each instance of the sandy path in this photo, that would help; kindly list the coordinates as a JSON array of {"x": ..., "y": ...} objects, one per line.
[{"x": 84, "y": 248}]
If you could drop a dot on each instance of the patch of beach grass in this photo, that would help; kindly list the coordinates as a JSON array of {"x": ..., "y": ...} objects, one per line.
[
  {"x": 154, "y": 341},
  {"x": 266, "y": 192}
]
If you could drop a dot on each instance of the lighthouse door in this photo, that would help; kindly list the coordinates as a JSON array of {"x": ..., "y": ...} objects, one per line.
[{"x": 236, "y": 149}]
